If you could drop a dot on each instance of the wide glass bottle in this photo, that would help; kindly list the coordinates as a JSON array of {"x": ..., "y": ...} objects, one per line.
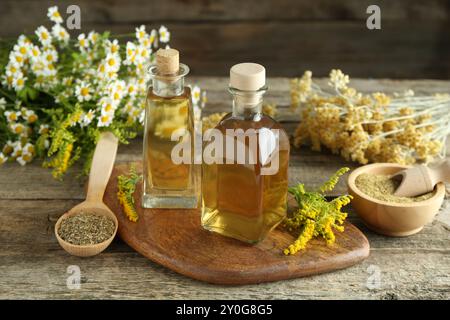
[
  {"x": 244, "y": 195},
  {"x": 171, "y": 179}
]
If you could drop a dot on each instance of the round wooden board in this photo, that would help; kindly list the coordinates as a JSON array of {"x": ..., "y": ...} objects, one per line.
[{"x": 175, "y": 239}]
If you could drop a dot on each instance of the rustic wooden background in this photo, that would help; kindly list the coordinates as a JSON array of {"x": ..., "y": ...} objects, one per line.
[{"x": 287, "y": 36}]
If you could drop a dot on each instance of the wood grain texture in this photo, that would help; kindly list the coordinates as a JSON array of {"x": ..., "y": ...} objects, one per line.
[
  {"x": 175, "y": 239},
  {"x": 33, "y": 265},
  {"x": 287, "y": 36}
]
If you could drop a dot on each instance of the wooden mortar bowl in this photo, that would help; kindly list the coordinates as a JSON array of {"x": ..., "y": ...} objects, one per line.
[{"x": 393, "y": 219}]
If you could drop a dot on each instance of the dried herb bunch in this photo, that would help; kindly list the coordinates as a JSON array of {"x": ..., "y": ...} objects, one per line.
[
  {"x": 126, "y": 185},
  {"x": 400, "y": 128},
  {"x": 315, "y": 216}
]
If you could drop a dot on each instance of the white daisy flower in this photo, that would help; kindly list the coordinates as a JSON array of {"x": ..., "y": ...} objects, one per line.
[
  {"x": 12, "y": 68},
  {"x": 112, "y": 47},
  {"x": 19, "y": 82},
  {"x": 17, "y": 128},
  {"x": 93, "y": 37},
  {"x": 105, "y": 120},
  {"x": 132, "y": 88},
  {"x": 17, "y": 58},
  {"x": 44, "y": 129},
  {"x": 112, "y": 62},
  {"x": 196, "y": 95},
  {"x": 141, "y": 34},
  {"x": 130, "y": 53},
  {"x": 54, "y": 15},
  {"x": 107, "y": 105},
  {"x": 17, "y": 149},
  {"x": 44, "y": 36},
  {"x": 164, "y": 34},
  {"x": 50, "y": 56},
  {"x": 87, "y": 118},
  {"x": 28, "y": 148},
  {"x": 23, "y": 40},
  {"x": 34, "y": 52},
  {"x": 83, "y": 91},
  {"x": 30, "y": 116},
  {"x": 83, "y": 43},
  {"x": 3, "y": 158},
  {"x": 60, "y": 33},
  {"x": 11, "y": 116},
  {"x": 21, "y": 49}
]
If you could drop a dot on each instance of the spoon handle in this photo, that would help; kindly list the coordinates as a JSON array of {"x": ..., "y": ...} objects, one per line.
[
  {"x": 102, "y": 164},
  {"x": 441, "y": 172}
]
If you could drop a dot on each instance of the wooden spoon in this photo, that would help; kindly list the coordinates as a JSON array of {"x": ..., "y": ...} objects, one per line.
[
  {"x": 421, "y": 179},
  {"x": 102, "y": 164}
]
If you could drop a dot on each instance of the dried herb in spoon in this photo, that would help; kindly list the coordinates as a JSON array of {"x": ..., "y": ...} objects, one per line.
[{"x": 86, "y": 228}]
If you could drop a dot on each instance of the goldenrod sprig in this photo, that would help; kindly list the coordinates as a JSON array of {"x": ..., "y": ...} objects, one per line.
[
  {"x": 315, "y": 215},
  {"x": 126, "y": 185}
]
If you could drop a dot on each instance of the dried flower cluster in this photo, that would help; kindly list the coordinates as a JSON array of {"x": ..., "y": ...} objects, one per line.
[
  {"x": 57, "y": 94},
  {"x": 315, "y": 216},
  {"x": 401, "y": 128}
]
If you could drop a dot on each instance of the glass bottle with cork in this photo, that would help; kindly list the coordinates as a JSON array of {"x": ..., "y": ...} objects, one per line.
[
  {"x": 169, "y": 182},
  {"x": 244, "y": 184}
]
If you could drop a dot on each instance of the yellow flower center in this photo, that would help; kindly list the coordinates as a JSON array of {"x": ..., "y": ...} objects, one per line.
[
  {"x": 44, "y": 35},
  {"x": 19, "y": 59},
  {"x": 23, "y": 50},
  {"x": 18, "y": 129},
  {"x": 116, "y": 96},
  {"x": 82, "y": 42},
  {"x": 111, "y": 62},
  {"x": 84, "y": 91},
  {"x": 108, "y": 107},
  {"x": 104, "y": 119},
  {"x": 32, "y": 118},
  {"x": 56, "y": 14}
]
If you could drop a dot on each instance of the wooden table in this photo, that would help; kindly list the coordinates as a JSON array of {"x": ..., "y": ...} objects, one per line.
[{"x": 32, "y": 265}]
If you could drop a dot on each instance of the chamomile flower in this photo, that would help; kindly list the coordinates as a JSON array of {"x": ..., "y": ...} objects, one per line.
[
  {"x": 105, "y": 120},
  {"x": 24, "y": 158},
  {"x": 112, "y": 62},
  {"x": 28, "y": 148},
  {"x": 17, "y": 128},
  {"x": 112, "y": 47},
  {"x": 93, "y": 37},
  {"x": 11, "y": 116},
  {"x": 44, "y": 36},
  {"x": 17, "y": 149},
  {"x": 196, "y": 95},
  {"x": 83, "y": 43},
  {"x": 44, "y": 129},
  {"x": 54, "y": 15},
  {"x": 83, "y": 91},
  {"x": 164, "y": 34},
  {"x": 3, "y": 158},
  {"x": 12, "y": 68},
  {"x": 17, "y": 58},
  {"x": 60, "y": 33},
  {"x": 87, "y": 118},
  {"x": 34, "y": 52},
  {"x": 107, "y": 105},
  {"x": 132, "y": 88},
  {"x": 141, "y": 34},
  {"x": 50, "y": 56},
  {"x": 30, "y": 116},
  {"x": 21, "y": 49},
  {"x": 130, "y": 53},
  {"x": 19, "y": 82}
]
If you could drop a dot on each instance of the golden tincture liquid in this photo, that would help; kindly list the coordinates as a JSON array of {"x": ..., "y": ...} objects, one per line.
[
  {"x": 238, "y": 200},
  {"x": 169, "y": 121}
]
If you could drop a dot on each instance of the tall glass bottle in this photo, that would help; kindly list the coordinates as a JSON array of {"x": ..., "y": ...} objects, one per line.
[
  {"x": 244, "y": 196},
  {"x": 170, "y": 176}
]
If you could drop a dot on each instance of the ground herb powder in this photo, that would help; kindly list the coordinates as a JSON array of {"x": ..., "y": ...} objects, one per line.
[
  {"x": 382, "y": 187},
  {"x": 86, "y": 228}
]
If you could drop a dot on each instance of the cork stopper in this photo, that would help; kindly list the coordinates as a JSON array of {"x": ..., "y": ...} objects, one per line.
[
  {"x": 167, "y": 61},
  {"x": 247, "y": 76}
]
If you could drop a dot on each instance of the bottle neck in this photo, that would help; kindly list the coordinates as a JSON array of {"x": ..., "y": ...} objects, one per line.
[
  {"x": 166, "y": 87},
  {"x": 247, "y": 105}
]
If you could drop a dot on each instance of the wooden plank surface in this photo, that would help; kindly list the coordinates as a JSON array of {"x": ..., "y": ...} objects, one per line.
[
  {"x": 287, "y": 36},
  {"x": 33, "y": 265}
]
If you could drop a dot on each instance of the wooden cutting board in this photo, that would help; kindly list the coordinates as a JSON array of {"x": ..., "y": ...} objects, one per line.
[{"x": 175, "y": 239}]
